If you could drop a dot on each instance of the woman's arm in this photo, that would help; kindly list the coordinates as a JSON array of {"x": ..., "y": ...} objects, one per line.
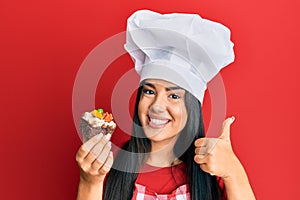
[
  {"x": 94, "y": 159},
  {"x": 237, "y": 185},
  {"x": 90, "y": 191},
  {"x": 216, "y": 157}
]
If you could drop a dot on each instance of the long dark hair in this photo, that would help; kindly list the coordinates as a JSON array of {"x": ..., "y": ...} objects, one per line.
[{"x": 120, "y": 183}]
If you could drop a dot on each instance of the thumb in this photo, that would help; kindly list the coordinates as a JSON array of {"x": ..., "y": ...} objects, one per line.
[{"x": 225, "y": 134}]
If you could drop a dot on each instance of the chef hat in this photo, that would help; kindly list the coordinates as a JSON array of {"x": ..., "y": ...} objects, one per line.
[{"x": 183, "y": 49}]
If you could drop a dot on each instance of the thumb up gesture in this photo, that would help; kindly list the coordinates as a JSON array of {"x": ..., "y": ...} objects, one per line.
[{"x": 215, "y": 155}]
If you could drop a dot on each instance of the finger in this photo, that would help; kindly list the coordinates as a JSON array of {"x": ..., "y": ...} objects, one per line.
[
  {"x": 207, "y": 169},
  {"x": 100, "y": 160},
  {"x": 211, "y": 143},
  {"x": 81, "y": 154},
  {"x": 201, "y": 151},
  {"x": 200, "y": 142},
  {"x": 225, "y": 134},
  {"x": 107, "y": 165},
  {"x": 92, "y": 142},
  {"x": 197, "y": 151},
  {"x": 86, "y": 147},
  {"x": 200, "y": 159},
  {"x": 97, "y": 149}
]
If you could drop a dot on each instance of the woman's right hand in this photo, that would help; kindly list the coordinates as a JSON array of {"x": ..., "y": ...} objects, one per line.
[{"x": 95, "y": 159}]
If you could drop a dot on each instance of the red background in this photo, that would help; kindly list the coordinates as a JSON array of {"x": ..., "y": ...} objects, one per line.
[{"x": 43, "y": 44}]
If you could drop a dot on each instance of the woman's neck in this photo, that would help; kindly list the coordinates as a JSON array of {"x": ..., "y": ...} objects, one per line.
[{"x": 162, "y": 154}]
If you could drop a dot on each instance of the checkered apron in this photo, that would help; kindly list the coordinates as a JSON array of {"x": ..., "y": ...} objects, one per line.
[{"x": 142, "y": 193}]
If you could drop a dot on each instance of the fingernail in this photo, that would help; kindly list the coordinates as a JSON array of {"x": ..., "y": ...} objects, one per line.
[
  {"x": 107, "y": 137},
  {"x": 99, "y": 136},
  {"x": 108, "y": 144},
  {"x": 232, "y": 118}
]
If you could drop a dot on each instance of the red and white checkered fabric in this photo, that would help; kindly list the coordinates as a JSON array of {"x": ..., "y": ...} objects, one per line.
[{"x": 142, "y": 193}]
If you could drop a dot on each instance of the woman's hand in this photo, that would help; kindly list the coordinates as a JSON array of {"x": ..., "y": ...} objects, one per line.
[
  {"x": 216, "y": 157},
  {"x": 95, "y": 159}
]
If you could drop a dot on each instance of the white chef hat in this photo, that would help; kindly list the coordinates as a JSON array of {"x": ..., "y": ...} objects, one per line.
[{"x": 183, "y": 49}]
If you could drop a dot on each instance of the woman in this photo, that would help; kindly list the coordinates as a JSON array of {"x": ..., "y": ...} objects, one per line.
[{"x": 168, "y": 156}]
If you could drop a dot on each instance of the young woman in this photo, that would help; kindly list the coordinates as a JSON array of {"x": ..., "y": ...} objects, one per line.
[{"x": 168, "y": 156}]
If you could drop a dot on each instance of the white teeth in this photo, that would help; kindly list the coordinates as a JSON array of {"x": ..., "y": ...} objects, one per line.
[{"x": 158, "y": 121}]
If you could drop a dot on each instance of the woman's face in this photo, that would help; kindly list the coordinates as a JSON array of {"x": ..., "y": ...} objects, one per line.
[{"x": 162, "y": 111}]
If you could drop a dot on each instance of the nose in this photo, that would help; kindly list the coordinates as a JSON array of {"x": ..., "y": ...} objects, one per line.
[
  {"x": 158, "y": 106},
  {"x": 156, "y": 109}
]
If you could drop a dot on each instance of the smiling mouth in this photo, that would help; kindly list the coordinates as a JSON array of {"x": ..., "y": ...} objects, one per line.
[{"x": 157, "y": 123}]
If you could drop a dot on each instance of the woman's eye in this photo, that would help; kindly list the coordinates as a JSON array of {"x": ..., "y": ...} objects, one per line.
[
  {"x": 147, "y": 91},
  {"x": 174, "y": 96}
]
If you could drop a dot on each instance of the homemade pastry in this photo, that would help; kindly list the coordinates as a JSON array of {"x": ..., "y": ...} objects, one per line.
[{"x": 96, "y": 122}]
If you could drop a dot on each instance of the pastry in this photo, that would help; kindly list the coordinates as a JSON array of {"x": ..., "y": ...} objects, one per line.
[{"x": 96, "y": 122}]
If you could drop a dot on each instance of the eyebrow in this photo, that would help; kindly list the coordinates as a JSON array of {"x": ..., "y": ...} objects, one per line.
[{"x": 167, "y": 88}]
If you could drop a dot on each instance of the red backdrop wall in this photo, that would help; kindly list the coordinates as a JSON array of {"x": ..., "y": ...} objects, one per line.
[{"x": 43, "y": 44}]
